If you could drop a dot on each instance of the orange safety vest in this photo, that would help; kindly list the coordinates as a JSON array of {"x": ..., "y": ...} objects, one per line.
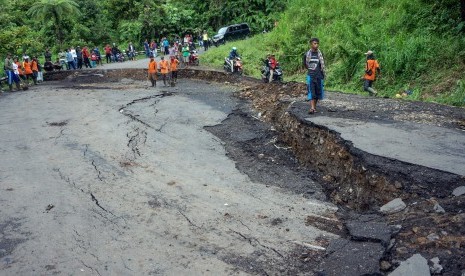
[
  {"x": 152, "y": 67},
  {"x": 372, "y": 64},
  {"x": 164, "y": 67},
  {"x": 20, "y": 69},
  {"x": 34, "y": 66},
  {"x": 27, "y": 68},
  {"x": 174, "y": 64}
]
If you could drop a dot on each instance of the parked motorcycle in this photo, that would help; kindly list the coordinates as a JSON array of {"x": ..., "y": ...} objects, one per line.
[
  {"x": 277, "y": 73},
  {"x": 194, "y": 58},
  {"x": 237, "y": 64}
]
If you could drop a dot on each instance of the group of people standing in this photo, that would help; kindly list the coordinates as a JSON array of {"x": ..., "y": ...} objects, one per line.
[
  {"x": 173, "y": 48},
  {"x": 75, "y": 58},
  {"x": 167, "y": 69},
  {"x": 28, "y": 71}
]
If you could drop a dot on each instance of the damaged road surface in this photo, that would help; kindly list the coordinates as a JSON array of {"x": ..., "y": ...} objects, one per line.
[{"x": 103, "y": 177}]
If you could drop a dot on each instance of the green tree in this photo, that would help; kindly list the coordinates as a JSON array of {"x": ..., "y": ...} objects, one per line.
[{"x": 57, "y": 10}]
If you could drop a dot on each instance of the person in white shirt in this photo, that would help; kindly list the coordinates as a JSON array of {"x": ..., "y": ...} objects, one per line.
[{"x": 74, "y": 54}]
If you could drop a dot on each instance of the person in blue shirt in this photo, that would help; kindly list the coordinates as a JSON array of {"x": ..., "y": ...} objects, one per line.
[
  {"x": 166, "y": 45},
  {"x": 232, "y": 55}
]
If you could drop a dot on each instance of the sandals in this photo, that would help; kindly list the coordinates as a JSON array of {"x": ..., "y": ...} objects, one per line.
[{"x": 312, "y": 111}]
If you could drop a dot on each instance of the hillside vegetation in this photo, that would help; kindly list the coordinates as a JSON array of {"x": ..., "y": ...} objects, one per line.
[{"x": 420, "y": 45}]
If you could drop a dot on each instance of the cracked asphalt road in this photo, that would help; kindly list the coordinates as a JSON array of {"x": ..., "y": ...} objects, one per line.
[{"x": 138, "y": 186}]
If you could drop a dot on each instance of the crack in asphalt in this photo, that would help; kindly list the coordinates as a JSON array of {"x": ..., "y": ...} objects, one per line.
[
  {"x": 190, "y": 222},
  {"x": 161, "y": 127},
  {"x": 93, "y": 198},
  {"x": 123, "y": 111},
  {"x": 98, "y": 204},
  {"x": 99, "y": 173},
  {"x": 252, "y": 239},
  {"x": 67, "y": 179},
  {"x": 91, "y": 268},
  {"x": 124, "y": 264},
  {"x": 140, "y": 137},
  {"x": 244, "y": 224}
]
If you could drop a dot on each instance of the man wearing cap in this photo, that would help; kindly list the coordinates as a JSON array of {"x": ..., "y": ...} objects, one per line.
[
  {"x": 314, "y": 62},
  {"x": 371, "y": 70}
]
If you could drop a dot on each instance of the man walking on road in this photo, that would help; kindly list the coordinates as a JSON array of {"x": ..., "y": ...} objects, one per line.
[
  {"x": 371, "y": 70},
  {"x": 152, "y": 73},
  {"x": 314, "y": 62}
]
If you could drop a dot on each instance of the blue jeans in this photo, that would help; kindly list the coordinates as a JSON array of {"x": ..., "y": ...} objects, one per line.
[{"x": 71, "y": 64}]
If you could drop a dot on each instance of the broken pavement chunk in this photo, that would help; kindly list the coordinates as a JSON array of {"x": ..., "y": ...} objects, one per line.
[
  {"x": 393, "y": 206},
  {"x": 353, "y": 258},
  {"x": 369, "y": 231},
  {"x": 459, "y": 191},
  {"x": 413, "y": 266}
]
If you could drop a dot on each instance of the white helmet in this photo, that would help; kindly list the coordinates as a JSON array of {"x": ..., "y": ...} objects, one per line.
[{"x": 234, "y": 48}]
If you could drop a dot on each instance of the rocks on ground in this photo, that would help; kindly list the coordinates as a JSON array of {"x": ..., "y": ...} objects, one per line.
[
  {"x": 393, "y": 206},
  {"x": 435, "y": 268},
  {"x": 353, "y": 258},
  {"x": 459, "y": 191},
  {"x": 369, "y": 228},
  {"x": 414, "y": 266}
]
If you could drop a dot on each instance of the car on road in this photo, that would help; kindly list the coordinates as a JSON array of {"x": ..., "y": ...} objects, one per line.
[{"x": 231, "y": 32}]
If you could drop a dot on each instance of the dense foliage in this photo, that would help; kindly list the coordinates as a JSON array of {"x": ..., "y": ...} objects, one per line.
[
  {"x": 29, "y": 25},
  {"x": 419, "y": 43}
]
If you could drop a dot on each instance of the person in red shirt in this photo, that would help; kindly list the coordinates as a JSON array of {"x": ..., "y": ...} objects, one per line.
[
  {"x": 94, "y": 59},
  {"x": 86, "y": 56},
  {"x": 272, "y": 63},
  {"x": 108, "y": 53}
]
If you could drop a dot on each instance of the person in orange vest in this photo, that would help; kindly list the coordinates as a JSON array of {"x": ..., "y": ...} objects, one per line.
[
  {"x": 152, "y": 73},
  {"x": 20, "y": 68},
  {"x": 35, "y": 69},
  {"x": 174, "y": 69},
  {"x": 164, "y": 69},
  {"x": 372, "y": 71},
  {"x": 27, "y": 66}
]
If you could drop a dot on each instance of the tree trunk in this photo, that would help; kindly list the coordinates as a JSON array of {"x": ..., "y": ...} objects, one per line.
[{"x": 58, "y": 29}]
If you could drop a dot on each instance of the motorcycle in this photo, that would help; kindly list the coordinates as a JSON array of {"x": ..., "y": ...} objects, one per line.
[
  {"x": 194, "y": 58},
  {"x": 120, "y": 57},
  {"x": 277, "y": 73},
  {"x": 237, "y": 64}
]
